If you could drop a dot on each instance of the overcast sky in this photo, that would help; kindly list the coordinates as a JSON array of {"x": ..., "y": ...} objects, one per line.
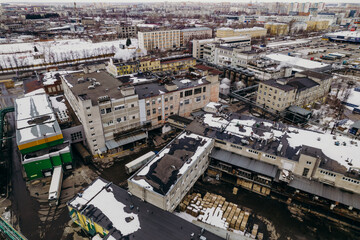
[{"x": 205, "y": 1}]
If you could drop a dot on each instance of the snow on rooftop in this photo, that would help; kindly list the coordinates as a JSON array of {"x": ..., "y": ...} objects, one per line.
[
  {"x": 35, "y": 92},
  {"x": 32, "y": 106},
  {"x": 185, "y": 81},
  {"x": 343, "y": 153},
  {"x": 294, "y": 61},
  {"x": 49, "y": 77},
  {"x": 107, "y": 203},
  {"x": 284, "y": 43},
  {"x": 200, "y": 149}
]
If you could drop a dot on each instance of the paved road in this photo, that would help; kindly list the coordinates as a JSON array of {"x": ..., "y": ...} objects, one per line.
[{"x": 24, "y": 206}]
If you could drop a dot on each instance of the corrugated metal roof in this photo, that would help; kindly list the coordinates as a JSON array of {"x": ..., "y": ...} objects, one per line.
[
  {"x": 326, "y": 191},
  {"x": 114, "y": 144},
  {"x": 244, "y": 162}
]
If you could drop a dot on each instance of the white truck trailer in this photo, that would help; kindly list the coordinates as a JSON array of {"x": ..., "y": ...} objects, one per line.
[
  {"x": 55, "y": 186},
  {"x": 139, "y": 162}
]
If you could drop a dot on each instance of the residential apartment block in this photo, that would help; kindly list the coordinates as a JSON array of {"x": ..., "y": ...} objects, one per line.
[
  {"x": 189, "y": 34},
  {"x": 126, "y": 31},
  {"x": 303, "y": 89},
  {"x": 277, "y": 29},
  {"x": 239, "y": 41},
  {"x": 254, "y": 32},
  {"x": 170, "y": 39},
  {"x": 108, "y": 111},
  {"x": 167, "y": 39}
]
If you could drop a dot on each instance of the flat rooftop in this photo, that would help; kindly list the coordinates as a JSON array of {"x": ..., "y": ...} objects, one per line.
[
  {"x": 109, "y": 206},
  {"x": 34, "y": 118},
  {"x": 298, "y": 62},
  {"x": 80, "y": 82},
  {"x": 152, "y": 89},
  {"x": 278, "y": 139},
  {"x": 164, "y": 170}
]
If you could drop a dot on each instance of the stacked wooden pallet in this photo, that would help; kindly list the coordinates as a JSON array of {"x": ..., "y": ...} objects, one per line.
[{"x": 215, "y": 210}]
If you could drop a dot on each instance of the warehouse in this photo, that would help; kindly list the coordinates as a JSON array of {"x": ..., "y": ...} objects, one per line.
[
  {"x": 167, "y": 178},
  {"x": 108, "y": 210}
]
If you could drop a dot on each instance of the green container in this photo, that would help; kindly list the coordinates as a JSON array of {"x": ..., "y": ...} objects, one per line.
[{"x": 35, "y": 169}]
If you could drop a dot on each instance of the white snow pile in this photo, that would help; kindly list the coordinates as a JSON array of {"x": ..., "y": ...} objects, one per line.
[
  {"x": 106, "y": 202},
  {"x": 23, "y": 54}
]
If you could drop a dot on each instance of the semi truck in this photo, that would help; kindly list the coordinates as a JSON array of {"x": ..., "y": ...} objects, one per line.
[
  {"x": 138, "y": 163},
  {"x": 55, "y": 186},
  {"x": 83, "y": 152}
]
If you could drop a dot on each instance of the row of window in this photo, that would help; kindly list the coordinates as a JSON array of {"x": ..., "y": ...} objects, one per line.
[
  {"x": 253, "y": 151},
  {"x": 236, "y": 146},
  {"x": 269, "y": 156},
  {"x": 327, "y": 173},
  {"x": 116, "y": 108},
  {"x": 350, "y": 180}
]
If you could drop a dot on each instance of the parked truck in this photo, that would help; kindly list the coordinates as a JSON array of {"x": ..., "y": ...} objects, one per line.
[
  {"x": 83, "y": 152},
  {"x": 138, "y": 163},
  {"x": 55, "y": 186}
]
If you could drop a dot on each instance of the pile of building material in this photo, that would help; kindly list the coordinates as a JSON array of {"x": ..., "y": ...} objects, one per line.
[{"x": 215, "y": 210}]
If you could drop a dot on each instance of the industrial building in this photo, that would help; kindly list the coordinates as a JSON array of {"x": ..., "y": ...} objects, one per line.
[
  {"x": 165, "y": 180},
  {"x": 303, "y": 89},
  {"x": 243, "y": 42},
  {"x": 39, "y": 137},
  {"x": 106, "y": 211},
  {"x": 344, "y": 36},
  {"x": 177, "y": 97},
  {"x": 249, "y": 150},
  {"x": 107, "y": 109}
]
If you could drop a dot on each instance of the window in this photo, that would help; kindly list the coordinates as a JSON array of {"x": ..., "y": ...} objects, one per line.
[
  {"x": 181, "y": 94},
  {"x": 108, "y": 110},
  {"x": 171, "y": 106},
  {"x": 308, "y": 162},
  {"x": 198, "y": 99},
  {"x": 305, "y": 172},
  {"x": 188, "y": 93},
  {"x": 93, "y": 134},
  {"x": 132, "y": 105},
  {"x": 92, "y": 128},
  {"x": 147, "y": 103},
  {"x": 148, "y": 112},
  {"x": 90, "y": 121},
  {"x": 153, "y": 101},
  {"x": 124, "y": 118},
  {"x": 187, "y": 101},
  {"x": 166, "y": 99},
  {"x": 118, "y": 119},
  {"x": 166, "y": 108},
  {"x": 159, "y": 100},
  {"x": 154, "y": 110},
  {"x": 75, "y": 136},
  {"x": 171, "y": 98},
  {"x": 197, "y": 90},
  {"x": 159, "y": 118},
  {"x": 87, "y": 108},
  {"x": 235, "y": 146},
  {"x": 102, "y": 111},
  {"x": 89, "y": 115},
  {"x": 221, "y": 142},
  {"x": 133, "y": 117},
  {"x": 204, "y": 89},
  {"x": 95, "y": 145},
  {"x": 204, "y": 97},
  {"x": 119, "y": 107}
]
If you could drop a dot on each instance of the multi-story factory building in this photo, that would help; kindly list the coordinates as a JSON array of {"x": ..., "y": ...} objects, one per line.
[
  {"x": 303, "y": 89},
  {"x": 107, "y": 109}
]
